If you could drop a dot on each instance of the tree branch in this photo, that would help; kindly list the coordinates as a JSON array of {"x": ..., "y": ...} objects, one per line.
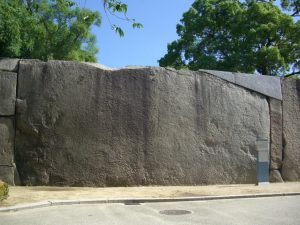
[
  {"x": 291, "y": 74},
  {"x": 296, "y": 13}
]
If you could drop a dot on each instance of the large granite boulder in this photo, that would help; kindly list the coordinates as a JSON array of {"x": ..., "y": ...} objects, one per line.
[
  {"x": 291, "y": 129},
  {"x": 82, "y": 125}
]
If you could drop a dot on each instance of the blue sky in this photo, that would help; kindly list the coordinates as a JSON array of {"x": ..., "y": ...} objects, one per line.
[{"x": 140, "y": 46}]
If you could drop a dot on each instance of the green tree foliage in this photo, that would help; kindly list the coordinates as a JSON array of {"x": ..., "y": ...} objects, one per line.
[
  {"x": 236, "y": 36},
  {"x": 118, "y": 9},
  {"x": 47, "y": 29},
  {"x": 292, "y": 6},
  {"x": 3, "y": 191}
]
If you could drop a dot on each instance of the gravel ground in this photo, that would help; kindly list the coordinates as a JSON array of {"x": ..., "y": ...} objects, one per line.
[{"x": 21, "y": 195}]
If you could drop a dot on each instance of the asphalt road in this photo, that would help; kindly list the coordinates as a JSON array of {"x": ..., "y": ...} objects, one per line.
[{"x": 264, "y": 211}]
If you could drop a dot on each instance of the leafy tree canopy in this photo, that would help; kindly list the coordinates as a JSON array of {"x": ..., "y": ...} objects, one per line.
[
  {"x": 47, "y": 29},
  {"x": 237, "y": 36}
]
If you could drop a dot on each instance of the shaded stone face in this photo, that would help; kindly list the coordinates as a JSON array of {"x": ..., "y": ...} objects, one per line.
[
  {"x": 7, "y": 174},
  {"x": 80, "y": 125},
  {"x": 8, "y": 84},
  {"x": 7, "y": 141},
  {"x": 276, "y": 134},
  {"x": 291, "y": 129},
  {"x": 7, "y": 150}
]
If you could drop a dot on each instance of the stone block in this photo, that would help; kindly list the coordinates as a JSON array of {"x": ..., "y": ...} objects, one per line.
[
  {"x": 8, "y": 64},
  {"x": 291, "y": 129},
  {"x": 79, "y": 125},
  {"x": 7, "y": 134},
  {"x": 276, "y": 133},
  {"x": 267, "y": 85},
  {"x": 8, "y": 84},
  {"x": 228, "y": 76}
]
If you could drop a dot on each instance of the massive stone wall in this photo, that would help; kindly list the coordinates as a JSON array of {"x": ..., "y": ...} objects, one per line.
[
  {"x": 82, "y": 125},
  {"x": 86, "y": 125}
]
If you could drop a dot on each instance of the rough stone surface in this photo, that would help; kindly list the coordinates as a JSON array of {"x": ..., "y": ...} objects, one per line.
[
  {"x": 80, "y": 125},
  {"x": 291, "y": 130},
  {"x": 276, "y": 134},
  {"x": 275, "y": 176},
  {"x": 7, "y": 64},
  {"x": 6, "y": 142},
  {"x": 266, "y": 85},
  {"x": 8, "y": 84},
  {"x": 7, "y": 174},
  {"x": 229, "y": 76}
]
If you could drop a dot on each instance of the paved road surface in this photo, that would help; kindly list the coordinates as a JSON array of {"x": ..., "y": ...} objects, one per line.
[{"x": 264, "y": 211}]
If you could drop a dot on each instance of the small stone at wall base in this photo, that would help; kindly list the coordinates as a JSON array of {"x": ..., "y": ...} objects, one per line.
[{"x": 275, "y": 176}]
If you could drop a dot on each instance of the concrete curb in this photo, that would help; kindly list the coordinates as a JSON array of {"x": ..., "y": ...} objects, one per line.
[{"x": 137, "y": 200}]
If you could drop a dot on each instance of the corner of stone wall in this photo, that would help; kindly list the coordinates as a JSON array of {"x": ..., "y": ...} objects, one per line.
[{"x": 8, "y": 94}]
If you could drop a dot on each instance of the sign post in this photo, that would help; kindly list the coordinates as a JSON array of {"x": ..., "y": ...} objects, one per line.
[{"x": 262, "y": 146}]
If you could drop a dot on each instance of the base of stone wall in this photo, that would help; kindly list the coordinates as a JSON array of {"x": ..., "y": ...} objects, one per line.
[
  {"x": 275, "y": 176},
  {"x": 7, "y": 174}
]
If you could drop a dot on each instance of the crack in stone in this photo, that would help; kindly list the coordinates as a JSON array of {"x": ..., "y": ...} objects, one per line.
[{"x": 6, "y": 166}]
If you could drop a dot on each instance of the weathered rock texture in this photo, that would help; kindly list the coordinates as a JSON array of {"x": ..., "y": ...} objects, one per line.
[
  {"x": 291, "y": 129},
  {"x": 266, "y": 85},
  {"x": 275, "y": 176},
  {"x": 7, "y": 150},
  {"x": 82, "y": 125},
  {"x": 7, "y": 174},
  {"x": 7, "y": 64},
  {"x": 8, "y": 84},
  {"x": 276, "y": 134},
  {"x": 7, "y": 141}
]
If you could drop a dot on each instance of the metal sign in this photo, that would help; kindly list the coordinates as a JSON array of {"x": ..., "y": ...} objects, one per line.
[{"x": 262, "y": 146}]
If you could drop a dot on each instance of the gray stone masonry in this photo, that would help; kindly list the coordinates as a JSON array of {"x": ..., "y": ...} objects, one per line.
[
  {"x": 266, "y": 85},
  {"x": 291, "y": 129},
  {"x": 7, "y": 174},
  {"x": 8, "y": 84},
  {"x": 275, "y": 176},
  {"x": 6, "y": 142},
  {"x": 83, "y": 124},
  {"x": 276, "y": 134},
  {"x": 7, "y": 64},
  {"x": 7, "y": 150},
  {"x": 79, "y": 125}
]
